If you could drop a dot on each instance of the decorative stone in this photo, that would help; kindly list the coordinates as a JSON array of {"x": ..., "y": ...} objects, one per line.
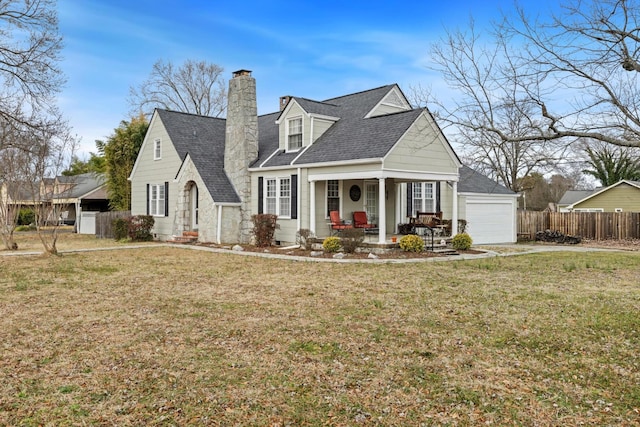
[
  {"x": 316, "y": 253},
  {"x": 339, "y": 255},
  {"x": 237, "y": 248},
  {"x": 372, "y": 256}
]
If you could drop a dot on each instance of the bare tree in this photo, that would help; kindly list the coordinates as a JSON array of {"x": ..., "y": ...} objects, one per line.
[
  {"x": 49, "y": 155},
  {"x": 196, "y": 87},
  {"x": 29, "y": 54},
  {"x": 564, "y": 77}
]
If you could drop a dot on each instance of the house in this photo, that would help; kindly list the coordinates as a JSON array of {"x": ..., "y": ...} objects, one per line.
[
  {"x": 367, "y": 151},
  {"x": 78, "y": 198},
  {"x": 64, "y": 199},
  {"x": 623, "y": 196}
]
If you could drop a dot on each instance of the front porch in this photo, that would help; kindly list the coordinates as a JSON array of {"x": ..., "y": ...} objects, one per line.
[{"x": 389, "y": 203}]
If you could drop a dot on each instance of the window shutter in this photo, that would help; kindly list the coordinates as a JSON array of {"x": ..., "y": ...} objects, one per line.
[
  {"x": 260, "y": 194},
  {"x": 438, "y": 207},
  {"x": 409, "y": 198},
  {"x": 166, "y": 198},
  {"x": 294, "y": 196},
  {"x": 148, "y": 197}
]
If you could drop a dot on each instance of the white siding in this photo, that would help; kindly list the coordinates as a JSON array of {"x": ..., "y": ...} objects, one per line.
[
  {"x": 150, "y": 171},
  {"x": 423, "y": 149}
]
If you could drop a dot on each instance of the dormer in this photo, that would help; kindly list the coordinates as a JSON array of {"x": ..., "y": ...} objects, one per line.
[
  {"x": 301, "y": 124},
  {"x": 393, "y": 102}
]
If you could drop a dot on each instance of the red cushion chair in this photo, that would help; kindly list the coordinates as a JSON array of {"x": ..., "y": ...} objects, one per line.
[
  {"x": 360, "y": 220},
  {"x": 337, "y": 224}
]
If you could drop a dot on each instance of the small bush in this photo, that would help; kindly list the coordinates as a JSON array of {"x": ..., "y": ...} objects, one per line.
[
  {"x": 120, "y": 228},
  {"x": 461, "y": 241},
  {"x": 331, "y": 244},
  {"x": 264, "y": 228},
  {"x": 351, "y": 239},
  {"x": 26, "y": 216},
  {"x": 25, "y": 228},
  {"x": 140, "y": 228},
  {"x": 412, "y": 243},
  {"x": 303, "y": 238},
  {"x": 137, "y": 228}
]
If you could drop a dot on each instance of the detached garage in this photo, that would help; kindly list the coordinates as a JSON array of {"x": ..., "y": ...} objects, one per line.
[{"x": 489, "y": 208}]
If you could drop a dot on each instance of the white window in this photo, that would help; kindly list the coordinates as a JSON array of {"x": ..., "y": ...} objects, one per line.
[
  {"x": 333, "y": 196},
  {"x": 156, "y": 200},
  {"x": 423, "y": 197},
  {"x": 294, "y": 134},
  {"x": 157, "y": 149},
  {"x": 278, "y": 196}
]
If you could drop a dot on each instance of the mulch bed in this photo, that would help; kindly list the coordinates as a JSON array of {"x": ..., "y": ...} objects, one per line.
[{"x": 394, "y": 254}]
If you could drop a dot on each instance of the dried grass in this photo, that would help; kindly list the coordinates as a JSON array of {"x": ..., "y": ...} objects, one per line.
[{"x": 161, "y": 336}]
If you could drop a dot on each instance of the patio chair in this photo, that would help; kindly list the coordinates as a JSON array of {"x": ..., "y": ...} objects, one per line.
[
  {"x": 337, "y": 224},
  {"x": 360, "y": 220}
]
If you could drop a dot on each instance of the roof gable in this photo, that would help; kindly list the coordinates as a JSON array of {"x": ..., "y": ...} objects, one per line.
[
  {"x": 203, "y": 138},
  {"x": 596, "y": 193}
]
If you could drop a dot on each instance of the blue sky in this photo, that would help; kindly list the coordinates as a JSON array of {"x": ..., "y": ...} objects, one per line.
[{"x": 316, "y": 50}]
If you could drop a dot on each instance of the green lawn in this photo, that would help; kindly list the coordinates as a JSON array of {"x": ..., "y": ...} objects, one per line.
[{"x": 164, "y": 336}]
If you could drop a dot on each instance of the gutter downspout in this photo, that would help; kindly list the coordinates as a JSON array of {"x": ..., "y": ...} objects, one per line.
[{"x": 219, "y": 225}]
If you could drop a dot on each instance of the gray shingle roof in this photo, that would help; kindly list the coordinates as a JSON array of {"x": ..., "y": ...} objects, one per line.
[
  {"x": 203, "y": 138},
  {"x": 352, "y": 137},
  {"x": 475, "y": 182},
  {"x": 572, "y": 196}
]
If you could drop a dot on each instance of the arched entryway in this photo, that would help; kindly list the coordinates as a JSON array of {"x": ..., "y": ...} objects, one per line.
[{"x": 192, "y": 197}]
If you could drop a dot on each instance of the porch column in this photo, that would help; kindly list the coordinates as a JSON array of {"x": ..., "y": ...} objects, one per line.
[
  {"x": 312, "y": 207},
  {"x": 382, "y": 211},
  {"x": 454, "y": 210},
  {"x": 398, "y": 207}
]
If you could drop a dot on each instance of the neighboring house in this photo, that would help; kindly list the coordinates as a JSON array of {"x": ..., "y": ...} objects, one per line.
[
  {"x": 68, "y": 199},
  {"x": 623, "y": 196},
  {"x": 368, "y": 151},
  {"x": 78, "y": 198}
]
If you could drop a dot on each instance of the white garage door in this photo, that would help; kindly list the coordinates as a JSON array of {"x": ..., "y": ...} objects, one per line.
[{"x": 490, "y": 221}]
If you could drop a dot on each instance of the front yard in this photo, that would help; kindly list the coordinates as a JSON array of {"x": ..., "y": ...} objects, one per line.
[{"x": 164, "y": 336}]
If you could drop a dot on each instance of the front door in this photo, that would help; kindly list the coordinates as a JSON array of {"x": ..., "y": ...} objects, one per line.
[
  {"x": 194, "y": 207},
  {"x": 371, "y": 201}
]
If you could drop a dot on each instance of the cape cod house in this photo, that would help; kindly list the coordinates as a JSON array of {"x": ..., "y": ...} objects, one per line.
[{"x": 368, "y": 151}]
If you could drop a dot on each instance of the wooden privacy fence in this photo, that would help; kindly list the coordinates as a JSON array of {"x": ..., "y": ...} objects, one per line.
[
  {"x": 588, "y": 225},
  {"x": 104, "y": 220}
]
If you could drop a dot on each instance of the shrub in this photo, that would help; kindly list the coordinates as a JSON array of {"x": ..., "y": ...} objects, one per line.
[
  {"x": 303, "y": 238},
  {"x": 120, "y": 228},
  {"x": 26, "y": 216},
  {"x": 331, "y": 244},
  {"x": 140, "y": 228},
  {"x": 137, "y": 228},
  {"x": 461, "y": 241},
  {"x": 264, "y": 228},
  {"x": 25, "y": 228},
  {"x": 411, "y": 243},
  {"x": 351, "y": 239}
]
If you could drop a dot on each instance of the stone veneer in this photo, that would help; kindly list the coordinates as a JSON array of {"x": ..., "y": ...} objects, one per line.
[{"x": 241, "y": 144}]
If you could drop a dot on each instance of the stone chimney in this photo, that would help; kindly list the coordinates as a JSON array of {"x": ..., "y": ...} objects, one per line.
[{"x": 241, "y": 143}]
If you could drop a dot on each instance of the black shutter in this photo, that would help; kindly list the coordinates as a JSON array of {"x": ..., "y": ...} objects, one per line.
[
  {"x": 438, "y": 207},
  {"x": 409, "y": 199},
  {"x": 166, "y": 198},
  {"x": 294, "y": 196},
  {"x": 148, "y": 197},
  {"x": 260, "y": 194}
]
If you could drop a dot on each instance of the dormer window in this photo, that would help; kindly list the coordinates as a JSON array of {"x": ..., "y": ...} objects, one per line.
[{"x": 294, "y": 134}]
